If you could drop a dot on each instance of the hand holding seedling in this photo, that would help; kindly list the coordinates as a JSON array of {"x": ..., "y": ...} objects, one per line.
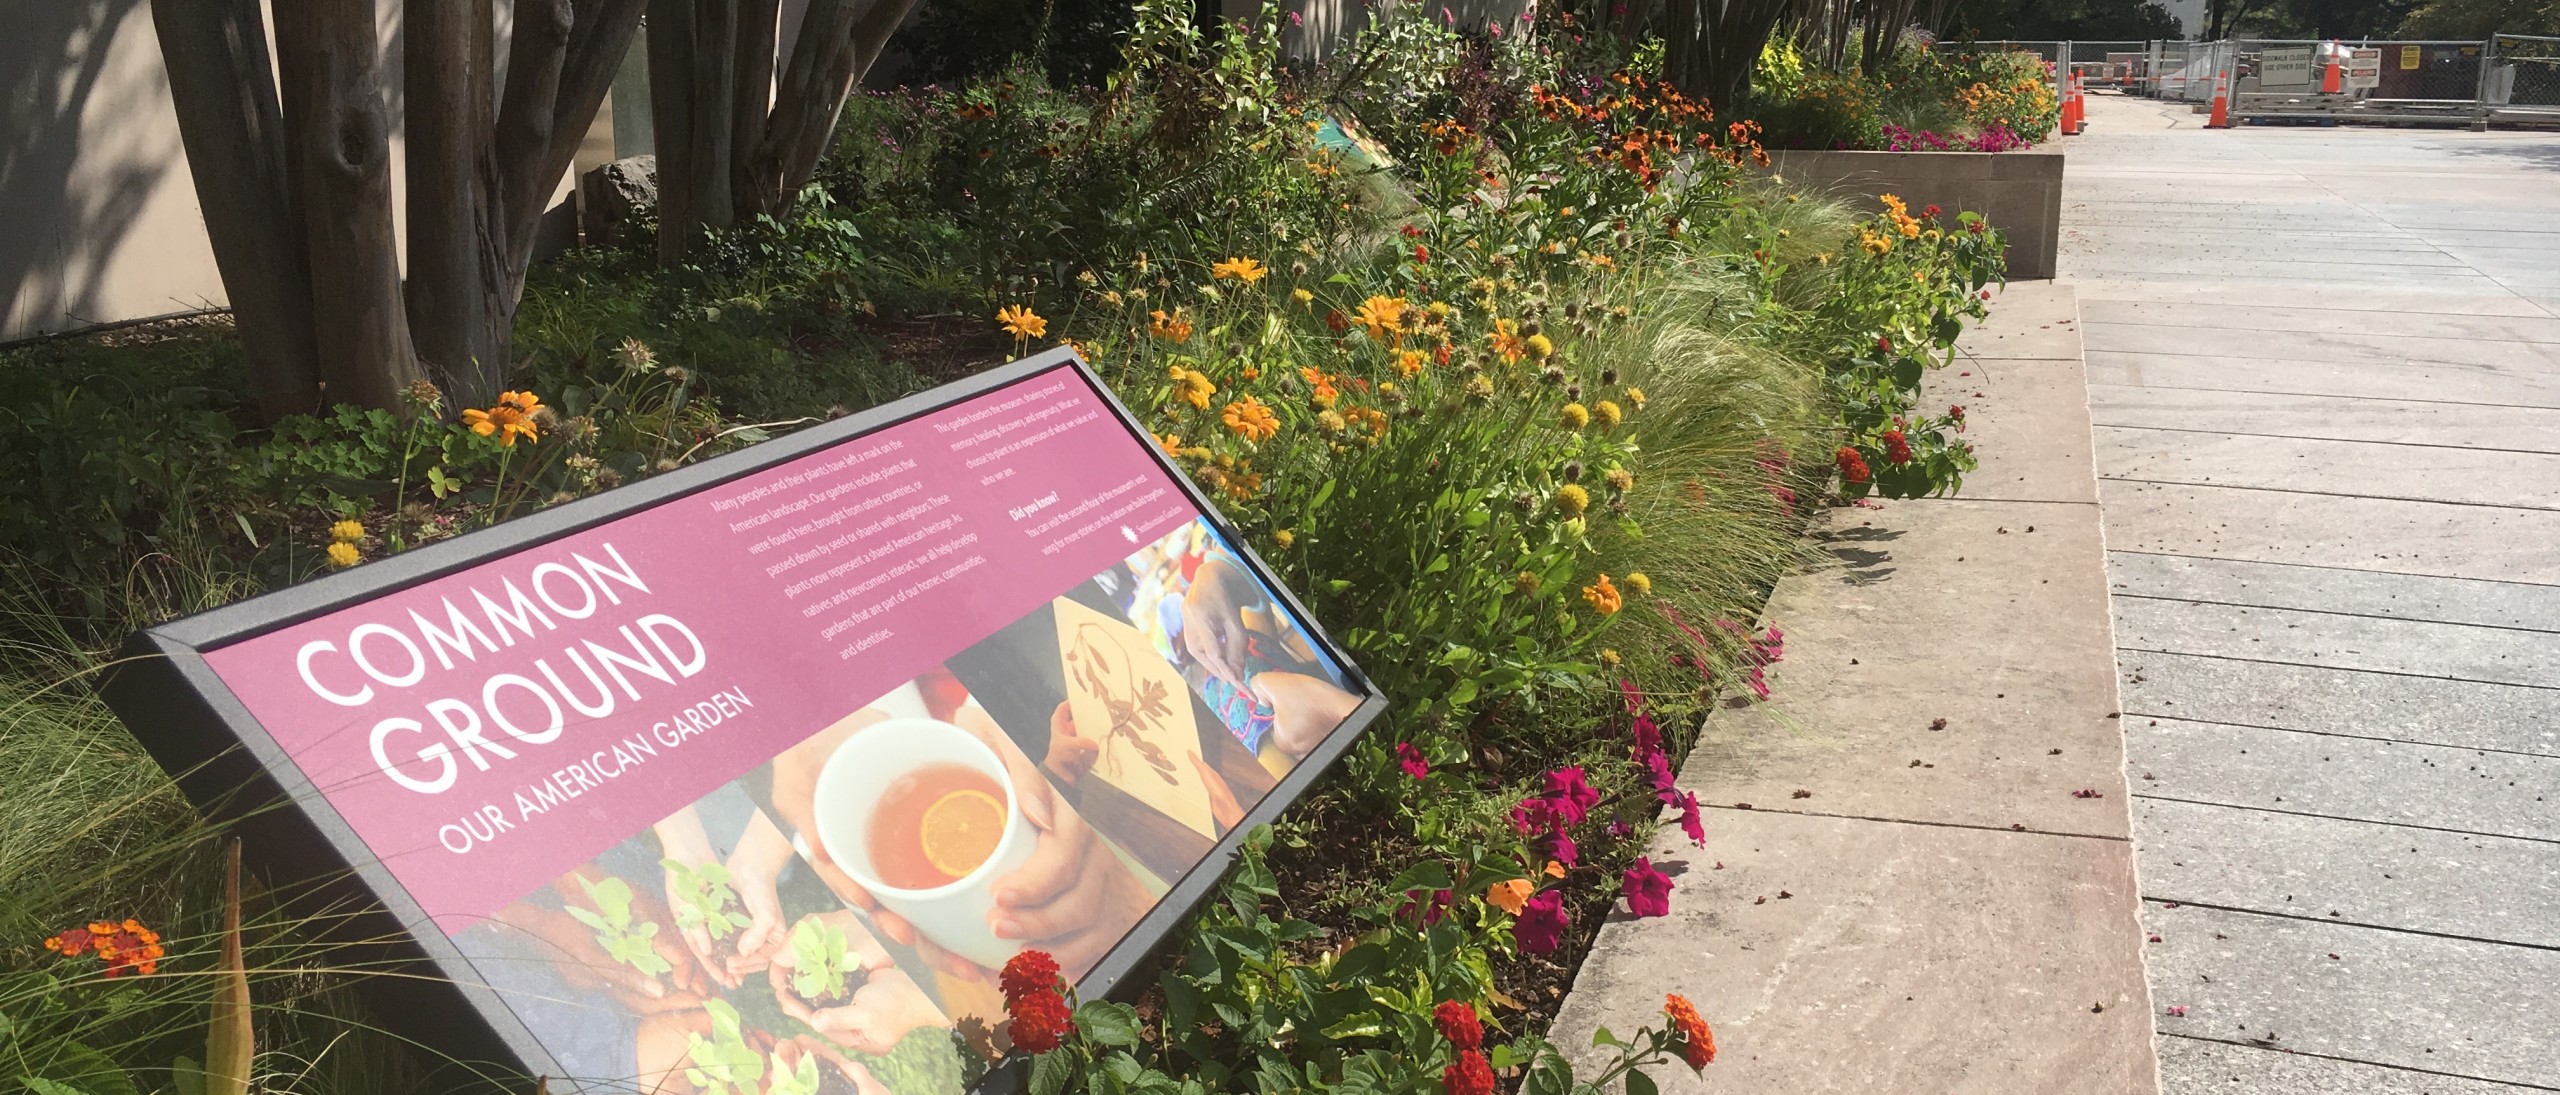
[
  {"x": 755, "y": 872},
  {"x": 1212, "y": 621}
]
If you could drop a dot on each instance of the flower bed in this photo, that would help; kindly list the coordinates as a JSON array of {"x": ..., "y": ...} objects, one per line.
[
  {"x": 1533, "y": 442},
  {"x": 1922, "y": 100}
]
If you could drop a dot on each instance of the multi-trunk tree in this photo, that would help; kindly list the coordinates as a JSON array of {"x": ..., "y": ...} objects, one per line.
[{"x": 292, "y": 164}]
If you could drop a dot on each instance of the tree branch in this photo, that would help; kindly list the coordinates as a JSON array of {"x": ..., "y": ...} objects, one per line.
[
  {"x": 223, "y": 88},
  {"x": 457, "y": 299},
  {"x": 834, "y": 50},
  {"x": 758, "y": 24},
  {"x": 338, "y": 152}
]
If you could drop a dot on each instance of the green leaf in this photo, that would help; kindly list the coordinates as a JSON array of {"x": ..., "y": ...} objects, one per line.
[
  {"x": 1602, "y": 1037},
  {"x": 1050, "y": 1073},
  {"x": 1640, "y": 1084},
  {"x": 1107, "y": 1023},
  {"x": 38, "y": 1085}
]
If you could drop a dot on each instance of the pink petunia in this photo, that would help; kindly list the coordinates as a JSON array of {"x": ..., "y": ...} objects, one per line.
[
  {"x": 1648, "y": 891},
  {"x": 1542, "y": 923}
]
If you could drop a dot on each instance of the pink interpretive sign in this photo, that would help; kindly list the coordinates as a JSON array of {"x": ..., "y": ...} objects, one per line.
[{"x": 764, "y": 767}]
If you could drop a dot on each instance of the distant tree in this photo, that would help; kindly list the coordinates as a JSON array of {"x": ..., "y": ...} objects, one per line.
[
  {"x": 1072, "y": 42},
  {"x": 1711, "y": 46},
  {"x": 292, "y": 167},
  {"x": 733, "y": 141},
  {"x": 2049, "y": 20},
  {"x": 2482, "y": 18}
]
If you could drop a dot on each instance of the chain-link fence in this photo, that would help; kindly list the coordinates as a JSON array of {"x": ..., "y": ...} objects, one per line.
[
  {"x": 2524, "y": 72},
  {"x": 2505, "y": 78}
]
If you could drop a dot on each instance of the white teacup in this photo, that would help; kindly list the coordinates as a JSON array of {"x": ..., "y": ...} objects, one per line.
[{"x": 850, "y": 785}]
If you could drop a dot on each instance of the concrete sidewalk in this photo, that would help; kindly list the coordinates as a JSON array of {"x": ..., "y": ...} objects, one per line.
[
  {"x": 1907, "y": 904},
  {"x": 2324, "y": 367}
]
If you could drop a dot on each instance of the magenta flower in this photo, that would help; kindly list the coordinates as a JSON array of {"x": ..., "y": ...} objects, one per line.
[
  {"x": 1410, "y": 759},
  {"x": 1690, "y": 822},
  {"x": 1573, "y": 795},
  {"x": 1658, "y": 772},
  {"x": 1648, "y": 891},
  {"x": 1619, "y": 830},
  {"x": 1543, "y": 920},
  {"x": 1424, "y": 912},
  {"x": 1564, "y": 850},
  {"x": 1647, "y": 735}
]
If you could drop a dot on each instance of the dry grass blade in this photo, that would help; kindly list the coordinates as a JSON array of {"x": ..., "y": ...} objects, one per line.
[{"x": 230, "y": 1043}]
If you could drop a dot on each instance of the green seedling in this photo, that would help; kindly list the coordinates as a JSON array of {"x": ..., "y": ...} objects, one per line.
[
  {"x": 794, "y": 1081},
  {"x": 723, "y": 1064},
  {"x": 703, "y": 898},
  {"x": 819, "y": 963},
  {"x": 629, "y": 941}
]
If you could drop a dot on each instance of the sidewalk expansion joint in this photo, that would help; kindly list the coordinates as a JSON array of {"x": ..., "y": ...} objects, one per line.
[
  {"x": 2131, "y": 714},
  {"x": 2316, "y": 437},
  {"x": 2337, "y": 668},
  {"x": 2342, "y": 817},
  {"x": 2246, "y": 1044},
  {"x": 2332, "y": 494},
  {"x": 2334, "y": 612},
  {"x": 1915, "y": 821},
  {"x": 2317, "y": 395},
  {"x": 2367, "y": 925},
  {"x": 2328, "y": 566}
]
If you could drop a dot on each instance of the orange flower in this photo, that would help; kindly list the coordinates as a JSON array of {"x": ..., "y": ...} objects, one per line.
[
  {"x": 1409, "y": 362},
  {"x": 1507, "y": 341},
  {"x": 1697, "y": 1043},
  {"x": 1021, "y": 322},
  {"x": 1169, "y": 326},
  {"x": 1245, "y": 270},
  {"x": 1510, "y": 896},
  {"x": 1250, "y": 419},
  {"x": 1325, "y": 394},
  {"x": 510, "y": 418},
  {"x": 1383, "y": 317},
  {"x": 128, "y": 947},
  {"x": 1604, "y": 597}
]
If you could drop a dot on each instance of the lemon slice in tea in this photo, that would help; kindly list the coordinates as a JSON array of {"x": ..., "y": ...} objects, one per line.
[{"x": 960, "y": 831}]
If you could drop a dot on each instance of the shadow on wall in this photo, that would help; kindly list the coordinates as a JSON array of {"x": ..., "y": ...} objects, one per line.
[{"x": 80, "y": 159}]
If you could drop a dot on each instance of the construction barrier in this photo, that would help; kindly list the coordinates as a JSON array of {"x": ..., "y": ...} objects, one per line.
[{"x": 2504, "y": 79}]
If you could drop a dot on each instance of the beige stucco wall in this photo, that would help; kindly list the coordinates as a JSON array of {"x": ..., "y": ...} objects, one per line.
[{"x": 98, "y": 215}]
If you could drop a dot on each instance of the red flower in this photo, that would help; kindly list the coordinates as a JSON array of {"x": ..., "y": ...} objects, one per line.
[
  {"x": 1853, "y": 467},
  {"x": 1468, "y": 1075},
  {"x": 1411, "y": 232},
  {"x": 1896, "y": 449},
  {"x": 1421, "y": 254},
  {"x": 1032, "y": 998},
  {"x": 1336, "y": 321},
  {"x": 1410, "y": 759},
  {"x": 1542, "y": 922},
  {"x": 1931, "y": 211},
  {"x": 1026, "y": 973},
  {"x": 1884, "y": 345},
  {"x": 1648, "y": 891},
  {"x": 1040, "y": 1022},
  {"x": 1458, "y": 1024}
]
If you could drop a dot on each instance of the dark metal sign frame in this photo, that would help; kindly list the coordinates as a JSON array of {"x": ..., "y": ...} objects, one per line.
[{"x": 228, "y": 763}]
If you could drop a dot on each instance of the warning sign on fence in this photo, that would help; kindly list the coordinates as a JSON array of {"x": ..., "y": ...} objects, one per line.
[
  {"x": 2284, "y": 67},
  {"x": 2364, "y": 69},
  {"x": 2408, "y": 58}
]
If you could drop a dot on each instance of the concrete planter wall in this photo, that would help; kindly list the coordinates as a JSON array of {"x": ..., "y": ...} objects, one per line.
[{"x": 2019, "y": 192}]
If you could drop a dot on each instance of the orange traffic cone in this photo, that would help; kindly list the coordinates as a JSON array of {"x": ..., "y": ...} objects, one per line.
[
  {"x": 2221, "y": 118},
  {"x": 2063, "y": 121},
  {"x": 2330, "y": 83}
]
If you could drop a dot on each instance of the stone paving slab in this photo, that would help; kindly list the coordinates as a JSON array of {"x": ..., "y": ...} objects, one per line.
[
  {"x": 2264, "y": 319},
  {"x": 2472, "y": 386},
  {"x": 2459, "y": 541},
  {"x": 2392, "y": 998},
  {"x": 2191, "y": 1064},
  {"x": 2007, "y": 401},
  {"x": 2323, "y": 345},
  {"x": 1915, "y": 958},
  {"x": 2341, "y": 702},
  {"x": 2496, "y": 889},
  {"x": 2368, "y": 643},
  {"x": 2280, "y": 585},
  {"x": 2504, "y": 480},
  {"x": 2326, "y": 417},
  {"x": 2441, "y": 787},
  {"x": 2430, "y": 298},
  {"x": 1877, "y": 626}
]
